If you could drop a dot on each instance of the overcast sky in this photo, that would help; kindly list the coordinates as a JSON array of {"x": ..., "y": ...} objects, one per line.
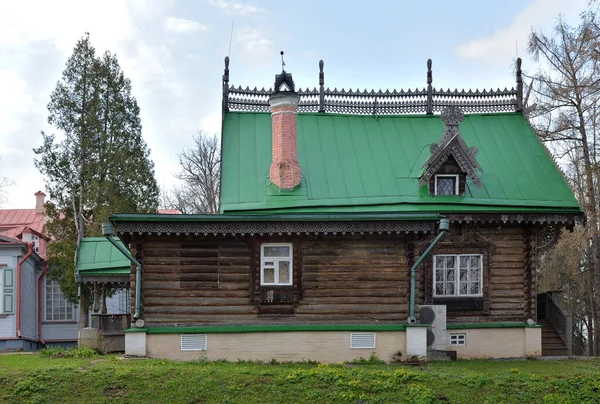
[{"x": 173, "y": 53}]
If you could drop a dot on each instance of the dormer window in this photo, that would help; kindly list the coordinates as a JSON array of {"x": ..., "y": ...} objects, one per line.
[
  {"x": 36, "y": 241},
  {"x": 32, "y": 238},
  {"x": 451, "y": 160},
  {"x": 446, "y": 185}
]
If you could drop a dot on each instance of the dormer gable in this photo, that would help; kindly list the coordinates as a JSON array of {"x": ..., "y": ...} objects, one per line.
[{"x": 451, "y": 160}]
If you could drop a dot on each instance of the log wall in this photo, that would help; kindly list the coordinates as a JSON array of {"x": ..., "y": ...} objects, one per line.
[{"x": 345, "y": 279}]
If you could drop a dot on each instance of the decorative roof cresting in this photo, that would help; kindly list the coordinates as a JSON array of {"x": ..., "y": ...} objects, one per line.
[{"x": 427, "y": 100}]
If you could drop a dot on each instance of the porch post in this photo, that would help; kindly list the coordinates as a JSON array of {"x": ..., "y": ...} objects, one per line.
[
  {"x": 104, "y": 310},
  {"x": 95, "y": 307}
]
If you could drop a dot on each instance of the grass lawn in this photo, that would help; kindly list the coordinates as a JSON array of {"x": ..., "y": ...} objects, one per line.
[{"x": 93, "y": 379}]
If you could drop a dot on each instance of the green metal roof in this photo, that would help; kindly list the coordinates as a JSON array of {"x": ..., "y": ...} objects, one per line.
[
  {"x": 271, "y": 217},
  {"x": 98, "y": 257},
  {"x": 360, "y": 163}
]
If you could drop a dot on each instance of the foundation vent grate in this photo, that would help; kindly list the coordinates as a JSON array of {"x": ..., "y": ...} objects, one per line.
[
  {"x": 362, "y": 340},
  {"x": 194, "y": 342}
]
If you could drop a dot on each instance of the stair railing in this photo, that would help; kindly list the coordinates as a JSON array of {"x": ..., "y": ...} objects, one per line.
[{"x": 562, "y": 321}]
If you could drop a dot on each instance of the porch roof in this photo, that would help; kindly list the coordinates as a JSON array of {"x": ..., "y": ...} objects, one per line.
[{"x": 97, "y": 257}]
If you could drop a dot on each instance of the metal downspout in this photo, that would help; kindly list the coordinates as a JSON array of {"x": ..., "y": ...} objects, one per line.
[
  {"x": 444, "y": 227},
  {"x": 107, "y": 231}
]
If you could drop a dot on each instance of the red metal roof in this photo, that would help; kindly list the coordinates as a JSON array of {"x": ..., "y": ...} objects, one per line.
[{"x": 14, "y": 221}]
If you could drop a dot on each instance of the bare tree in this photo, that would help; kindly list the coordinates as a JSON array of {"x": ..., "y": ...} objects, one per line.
[
  {"x": 200, "y": 176},
  {"x": 567, "y": 90}
]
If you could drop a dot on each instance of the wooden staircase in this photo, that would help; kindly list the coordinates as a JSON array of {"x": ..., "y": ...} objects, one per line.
[{"x": 552, "y": 343}]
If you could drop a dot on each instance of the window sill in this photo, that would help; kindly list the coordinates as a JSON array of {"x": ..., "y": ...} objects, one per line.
[{"x": 2, "y": 315}]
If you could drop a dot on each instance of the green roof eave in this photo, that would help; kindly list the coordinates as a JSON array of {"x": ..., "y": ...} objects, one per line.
[
  {"x": 282, "y": 217},
  {"x": 125, "y": 271},
  {"x": 423, "y": 208}
]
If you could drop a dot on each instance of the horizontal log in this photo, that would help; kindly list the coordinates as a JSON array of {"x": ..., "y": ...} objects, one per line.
[
  {"x": 509, "y": 244},
  {"x": 508, "y": 306},
  {"x": 323, "y": 268},
  {"x": 352, "y": 277},
  {"x": 349, "y": 285},
  {"x": 176, "y": 285},
  {"x": 359, "y": 261},
  {"x": 506, "y": 258},
  {"x": 220, "y": 293},
  {"x": 498, "y": 266},
  {"x": 520, "y": 250},
  {"x": 517, "y": 301},
  {"x": 366, "y": 301},
  {"x": 507, "y": 293},
  {"x": 496, "y": 272},
  {"x": 182, "y": 301},
  {"x": 356, "y": 292},
  {"x": 347, "y": 308},
  {"x": 205, "y": 310},
  {"x": 516, "y": 280},
  {"x": 174, "y": 269}
]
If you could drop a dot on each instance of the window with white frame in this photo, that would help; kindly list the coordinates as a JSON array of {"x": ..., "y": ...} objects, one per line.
[
  {"x": 36, "y": 242},
  {"x": 276, "y": 264},
  {"x": 458, "y": 339},
  {"x": 446, "y": 184},
  {"x": 32, "y": 238},
  {"x": 57, "y": 307},
  {"x": 457, "y": 275}
]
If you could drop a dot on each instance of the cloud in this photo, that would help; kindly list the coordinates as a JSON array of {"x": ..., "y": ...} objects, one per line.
[
  {"x": 254, "y": 45},
  {"x": 183, "y": 26},
  {"x": 236, "y": 7},
  {"x": 211, "y": 123},
  {"x": 500, "y": 46}
]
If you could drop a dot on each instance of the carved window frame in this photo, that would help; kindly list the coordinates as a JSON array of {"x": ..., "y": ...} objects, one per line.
[
  {"x": 466, "y": 243},
  {"x": 276, "y": 299},
  {"x": 456, "y": 183}
]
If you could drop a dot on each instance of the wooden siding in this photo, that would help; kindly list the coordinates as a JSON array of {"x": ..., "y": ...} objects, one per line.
[
  {"x": 29, "y": 308},
  {"x": 59, "y": 331},
  {"x": 344, "y": 279}
]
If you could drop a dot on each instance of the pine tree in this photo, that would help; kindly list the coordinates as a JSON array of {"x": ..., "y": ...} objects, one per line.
[{"x": 102, "y": 166}]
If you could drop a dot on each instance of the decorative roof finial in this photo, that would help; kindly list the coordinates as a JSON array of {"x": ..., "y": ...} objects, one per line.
[
  {"x": 519, "y": 86},
  {"x": 283, "y": 81},
  {"x": 429, "y": 88}
]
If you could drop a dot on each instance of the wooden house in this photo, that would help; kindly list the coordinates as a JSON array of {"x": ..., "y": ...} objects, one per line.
[
  {"x": 33, "y": 311},
  {"x": 329, "y": 200}
]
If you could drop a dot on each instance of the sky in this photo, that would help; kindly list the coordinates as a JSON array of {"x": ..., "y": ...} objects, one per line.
[{"x": 173, "y": 50}]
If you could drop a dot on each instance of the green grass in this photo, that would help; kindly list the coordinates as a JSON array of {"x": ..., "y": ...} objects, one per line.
[{"x": 97, "y": 379}]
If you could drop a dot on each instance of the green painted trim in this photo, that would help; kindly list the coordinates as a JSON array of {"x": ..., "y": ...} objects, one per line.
[
  {"x": 490, "y": 325},
  {"x": 289, "y": 217},
  {"x": 271, "y": 328}
]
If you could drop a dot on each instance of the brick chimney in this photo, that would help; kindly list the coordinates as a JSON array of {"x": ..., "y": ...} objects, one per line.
[
  {"x": 39, "y": 201},
  {"x": 285, "y": 170}
]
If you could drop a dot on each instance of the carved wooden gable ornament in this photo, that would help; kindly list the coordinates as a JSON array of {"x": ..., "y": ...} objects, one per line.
[{"x": 453, "y": 148}]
